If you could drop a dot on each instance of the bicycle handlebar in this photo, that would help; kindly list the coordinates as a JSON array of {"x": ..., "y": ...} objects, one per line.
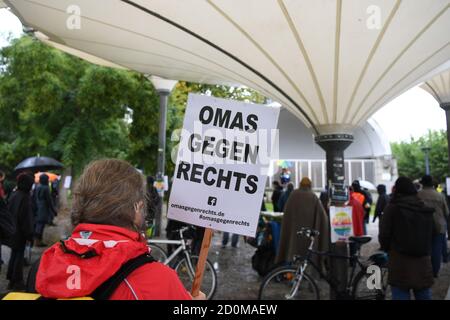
[
  {"x": 308, "y": 232},
  {"x": 182, "y": 230}
]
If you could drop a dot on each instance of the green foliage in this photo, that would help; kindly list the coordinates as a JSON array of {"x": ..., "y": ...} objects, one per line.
[
  {"x": 182, "y": 90},
  {"x": 411, "y": 158},
  {"x": 144, "y": 131},
  {"x": 57, "y": 105}
]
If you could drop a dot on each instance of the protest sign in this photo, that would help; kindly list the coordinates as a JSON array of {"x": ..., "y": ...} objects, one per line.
[
  {"x": 221, "y": 168},
  {"x": 341, "y": 223}
]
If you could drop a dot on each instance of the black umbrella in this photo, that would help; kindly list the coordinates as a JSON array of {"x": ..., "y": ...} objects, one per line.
[{"x": 39, "y": 164}]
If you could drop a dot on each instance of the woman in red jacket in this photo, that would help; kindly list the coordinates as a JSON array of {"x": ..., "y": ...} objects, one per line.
[
  {"x": 109, "y": 216},
  {"x": 357, "y": 214},
  {"x": 357, "y": 218}
]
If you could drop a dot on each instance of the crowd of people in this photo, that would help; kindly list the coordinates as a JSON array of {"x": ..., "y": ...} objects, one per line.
[
  {"x": 110, "y": 208},
  {"x": 113, "y": 205},
  {"x": 413, "y": 224},
  {"x": 31, "y": 208}
]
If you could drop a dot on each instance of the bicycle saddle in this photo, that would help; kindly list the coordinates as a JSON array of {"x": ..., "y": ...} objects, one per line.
[
  {"x": 379, "y": 258},
  {"x": 361, "y": 240}
]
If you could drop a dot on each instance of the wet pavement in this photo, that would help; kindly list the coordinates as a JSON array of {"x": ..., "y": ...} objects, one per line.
[{"x": 237, "y": 279}]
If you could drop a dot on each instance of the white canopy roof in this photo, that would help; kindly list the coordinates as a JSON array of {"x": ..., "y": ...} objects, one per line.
[
  {"x": 297, "y": 141},
  {"x": 328, "y": 62},
  {"x": 439, "y": 87}
]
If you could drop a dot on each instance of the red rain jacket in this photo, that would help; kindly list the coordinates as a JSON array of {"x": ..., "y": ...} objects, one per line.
[
  {"x": 357, "y": 215},
  {"x": 66, "y": 275}
]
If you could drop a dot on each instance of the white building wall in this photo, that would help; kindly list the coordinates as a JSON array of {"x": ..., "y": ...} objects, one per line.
[{"x": 370, "y": 149}]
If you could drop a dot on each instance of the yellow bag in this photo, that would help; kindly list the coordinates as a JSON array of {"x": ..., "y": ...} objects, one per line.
[{"x": 34, "y": 296}]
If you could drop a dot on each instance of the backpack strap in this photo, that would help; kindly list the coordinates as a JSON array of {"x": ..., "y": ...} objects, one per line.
[
  {"x": 31, "y": 279},
  {"x": 106, "y": 290}
]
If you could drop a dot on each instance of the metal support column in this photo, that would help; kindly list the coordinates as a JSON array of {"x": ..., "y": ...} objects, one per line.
[{"x": 334, "y": 146}]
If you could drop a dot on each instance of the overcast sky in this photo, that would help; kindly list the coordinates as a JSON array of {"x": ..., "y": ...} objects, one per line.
[
  {"x": 9, "y": 24},
  {"x": 410, "y": 115}
]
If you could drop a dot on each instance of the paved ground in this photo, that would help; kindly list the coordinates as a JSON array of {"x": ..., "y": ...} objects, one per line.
[{"x": 236, "y": 278}]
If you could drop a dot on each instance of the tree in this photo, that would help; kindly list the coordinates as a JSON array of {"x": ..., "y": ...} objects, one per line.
[
  {"x": 145, "y": 125},
  {"x": 411, "y": 158},
  {"x": 58, "y": 105}
]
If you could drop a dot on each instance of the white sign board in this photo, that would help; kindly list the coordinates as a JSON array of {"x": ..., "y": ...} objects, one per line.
[
  {"x": 341, "y": 223},
  {"x": 166, "y": 183},
  {"x": 448, "y": 186},
  {"x": 221, "y": 168},
  {"x": 67, "y": 182}
]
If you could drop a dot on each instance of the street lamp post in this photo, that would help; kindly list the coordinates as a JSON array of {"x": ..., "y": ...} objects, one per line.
[
  {"x": 427, "y": 150},
  {"x": 164, "y": 87}
]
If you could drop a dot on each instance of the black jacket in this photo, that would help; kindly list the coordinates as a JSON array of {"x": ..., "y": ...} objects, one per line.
[
  {"x": 7, "y": 225},
  {"x": 276, "y": 194},
  {"x": 407, "y": 227},
  {"x": 394, "y": 231},
  {"x": 153, "y": 203},
  {"x": 44, "y": 203},
  {"x": 382, "y": 202},
  {"x": 20, "y": 207}
]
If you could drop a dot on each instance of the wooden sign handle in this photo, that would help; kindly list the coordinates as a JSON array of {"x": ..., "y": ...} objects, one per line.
[{"x": 202, "y": 262}]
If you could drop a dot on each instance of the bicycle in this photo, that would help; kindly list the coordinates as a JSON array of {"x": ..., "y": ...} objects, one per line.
[
  {"x": 294, "y": 283},
  {"x": 184, "y": 262}
]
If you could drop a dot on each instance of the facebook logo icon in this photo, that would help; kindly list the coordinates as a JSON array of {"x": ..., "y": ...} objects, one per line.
[{"x": 212, "y": 201}]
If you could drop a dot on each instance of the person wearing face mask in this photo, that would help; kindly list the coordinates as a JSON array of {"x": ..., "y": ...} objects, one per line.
[{"x": 108, "y": 214}]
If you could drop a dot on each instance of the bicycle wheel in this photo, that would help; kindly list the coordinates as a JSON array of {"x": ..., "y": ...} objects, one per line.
[
  {"x": 368, "y": 287},
  {"x": 187, "y": 275},
  {"x": 280, "y": 284},
  {"x": 158, "y": 253}
]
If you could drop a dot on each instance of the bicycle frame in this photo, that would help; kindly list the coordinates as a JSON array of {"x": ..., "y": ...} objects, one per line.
[
  {"x": 300, "y": 272},
  {"x": 185, "y": 265},
  {"x": 333, "y": 282},
  {"x": 182, "y": 247}
]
